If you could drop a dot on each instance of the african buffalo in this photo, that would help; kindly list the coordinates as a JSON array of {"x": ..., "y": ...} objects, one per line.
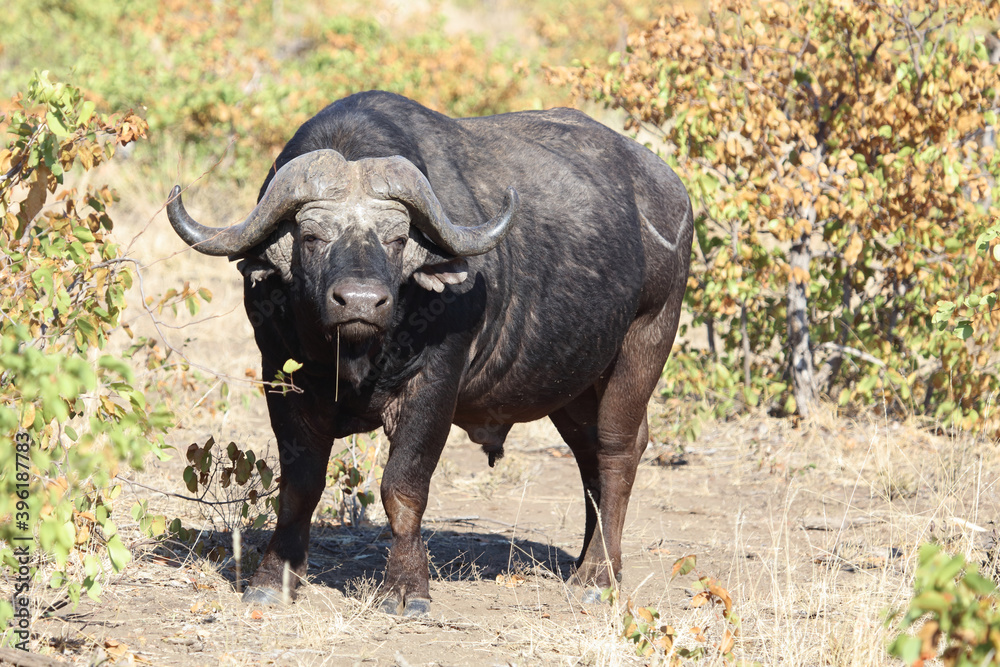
[{"x": 476, "y": 271}]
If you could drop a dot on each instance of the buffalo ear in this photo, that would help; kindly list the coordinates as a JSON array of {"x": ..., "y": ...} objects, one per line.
[
  {"x": 273, "y": 256},
  {"x": 256, "y": 269},
  {"x": 434, "y": 277}
]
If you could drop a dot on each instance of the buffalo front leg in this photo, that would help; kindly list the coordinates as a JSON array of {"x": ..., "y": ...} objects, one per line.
[
  {"x": 303, "y": 455},
  {"x": 415, "y": 446}
]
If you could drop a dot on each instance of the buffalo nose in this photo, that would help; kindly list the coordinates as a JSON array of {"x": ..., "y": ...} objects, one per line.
[{"x": 359, "y": 297}]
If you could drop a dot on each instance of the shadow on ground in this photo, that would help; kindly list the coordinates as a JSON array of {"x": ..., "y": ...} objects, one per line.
[{"x": 341, "y": 556}]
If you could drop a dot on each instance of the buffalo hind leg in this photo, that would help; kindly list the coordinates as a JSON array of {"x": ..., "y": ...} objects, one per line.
[
  {"x": 577, "y": 424},
  {"x": 621, "y": 434},
  {"x": 303, "y": 456}
]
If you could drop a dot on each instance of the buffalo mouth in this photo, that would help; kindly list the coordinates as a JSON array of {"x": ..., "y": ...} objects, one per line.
[{"x": 353, "y": 331}]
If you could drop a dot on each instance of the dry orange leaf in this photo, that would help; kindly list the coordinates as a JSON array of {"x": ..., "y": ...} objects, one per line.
[
  {"x": 509, "y": 580},
  {"x": 115, "y": 648},
  {"x": 700, "y": 599},
  {"x": 728, "y": 642}
]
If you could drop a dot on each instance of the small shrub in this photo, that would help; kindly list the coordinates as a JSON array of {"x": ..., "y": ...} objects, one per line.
[
  {"x": 75, "y": 412},
  {"x": 954, "y": 611}
]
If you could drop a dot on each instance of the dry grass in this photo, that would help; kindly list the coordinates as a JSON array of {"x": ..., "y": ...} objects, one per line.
[{"x": 801, "y": 525}]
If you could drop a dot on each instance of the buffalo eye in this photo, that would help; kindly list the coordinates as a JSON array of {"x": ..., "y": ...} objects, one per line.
[
  {"x": 311, "y": 242},
  {"x": 395, "y": 245}
]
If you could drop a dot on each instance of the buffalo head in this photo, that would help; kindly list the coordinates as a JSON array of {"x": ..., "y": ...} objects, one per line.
[{"x": 344, "y": 236}]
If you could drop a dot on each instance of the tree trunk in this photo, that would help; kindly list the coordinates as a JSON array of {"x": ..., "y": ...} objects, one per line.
[{"x": 801, "y": 361}]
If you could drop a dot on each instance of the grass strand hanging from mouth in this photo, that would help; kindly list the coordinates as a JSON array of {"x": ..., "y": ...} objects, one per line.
[{"x": 336, "y": 386}]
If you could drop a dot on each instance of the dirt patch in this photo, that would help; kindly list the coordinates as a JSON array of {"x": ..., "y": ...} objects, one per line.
[{"x": 812, "y": 531}]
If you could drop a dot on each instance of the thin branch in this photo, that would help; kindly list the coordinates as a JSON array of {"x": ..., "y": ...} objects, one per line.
[
  {"x": 192, "y": 498},
  {"x": 852, "y": 352}
]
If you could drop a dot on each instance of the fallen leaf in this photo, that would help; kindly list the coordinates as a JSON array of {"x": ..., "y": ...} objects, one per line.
[
  {"x": 509, "y": 580},
  {"x": 728, "y": 642},
  {"x": 683, "y": 565},
  {"x": 115, "y": 648},
  {"x": 257, "y": 615},
  {"x": 700, "y": 599}
]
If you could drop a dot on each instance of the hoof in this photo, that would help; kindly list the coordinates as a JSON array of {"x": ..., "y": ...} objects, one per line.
[
  {"x": 417, "y": 607},
  {"x": 591, "y": 596},
  {"x": 390, "y": 606},
  {"x": 262, "y": 595}
]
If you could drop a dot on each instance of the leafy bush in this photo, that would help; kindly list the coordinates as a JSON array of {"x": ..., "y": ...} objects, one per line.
[
  {"x": 74, "y": 409},
  {"x": 211, "y": 74},
  {"x": 837, "y": 156},
  {"x": 954, "y": 610},
  {"x": 351, "y": 474},
  {"x": 236, "y": 487}
]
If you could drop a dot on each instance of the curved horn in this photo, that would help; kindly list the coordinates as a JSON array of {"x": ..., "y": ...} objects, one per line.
[
  {"x": 398, "y": 178},
  {"x": 315, "y": 175}
]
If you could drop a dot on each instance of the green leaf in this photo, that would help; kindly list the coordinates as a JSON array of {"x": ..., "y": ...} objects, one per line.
[
  {"x": 979, "y": 585},
  {"x": 83, "y": 234},
  {"x": 86, "y": 111},
  {"x": 907, "y": 648},
  {"x": 190, "y": 479},
  {"x": 92, "y": 565},
  {"x": 55, "y": 124},
  {"x": 932, "y": 601},
  {"x": 947, "y": 572},
  {"x": 119, "y": 555},
  {"x": 683, "y": 565},
  {"x": 266, "y": 474},
  {"x": 845, "y": 397},
  {"x": 291, "y": 366}
]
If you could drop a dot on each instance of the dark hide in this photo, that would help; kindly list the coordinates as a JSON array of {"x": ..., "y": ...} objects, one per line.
[{"x": 571, "y": 317}]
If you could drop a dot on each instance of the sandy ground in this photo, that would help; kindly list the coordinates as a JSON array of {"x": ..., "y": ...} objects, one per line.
[{"x": 812, "y": 531}]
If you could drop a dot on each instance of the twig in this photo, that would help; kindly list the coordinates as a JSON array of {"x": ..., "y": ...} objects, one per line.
[
  {"x": 24, "y": 659},
  {"x": 853, "y": 352},
  {"x": 191, "y": 498}
]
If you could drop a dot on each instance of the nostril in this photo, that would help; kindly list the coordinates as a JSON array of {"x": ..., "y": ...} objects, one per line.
[
  {"x": 382, "y": 301},
  {"x": 338, "y": 298}
]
